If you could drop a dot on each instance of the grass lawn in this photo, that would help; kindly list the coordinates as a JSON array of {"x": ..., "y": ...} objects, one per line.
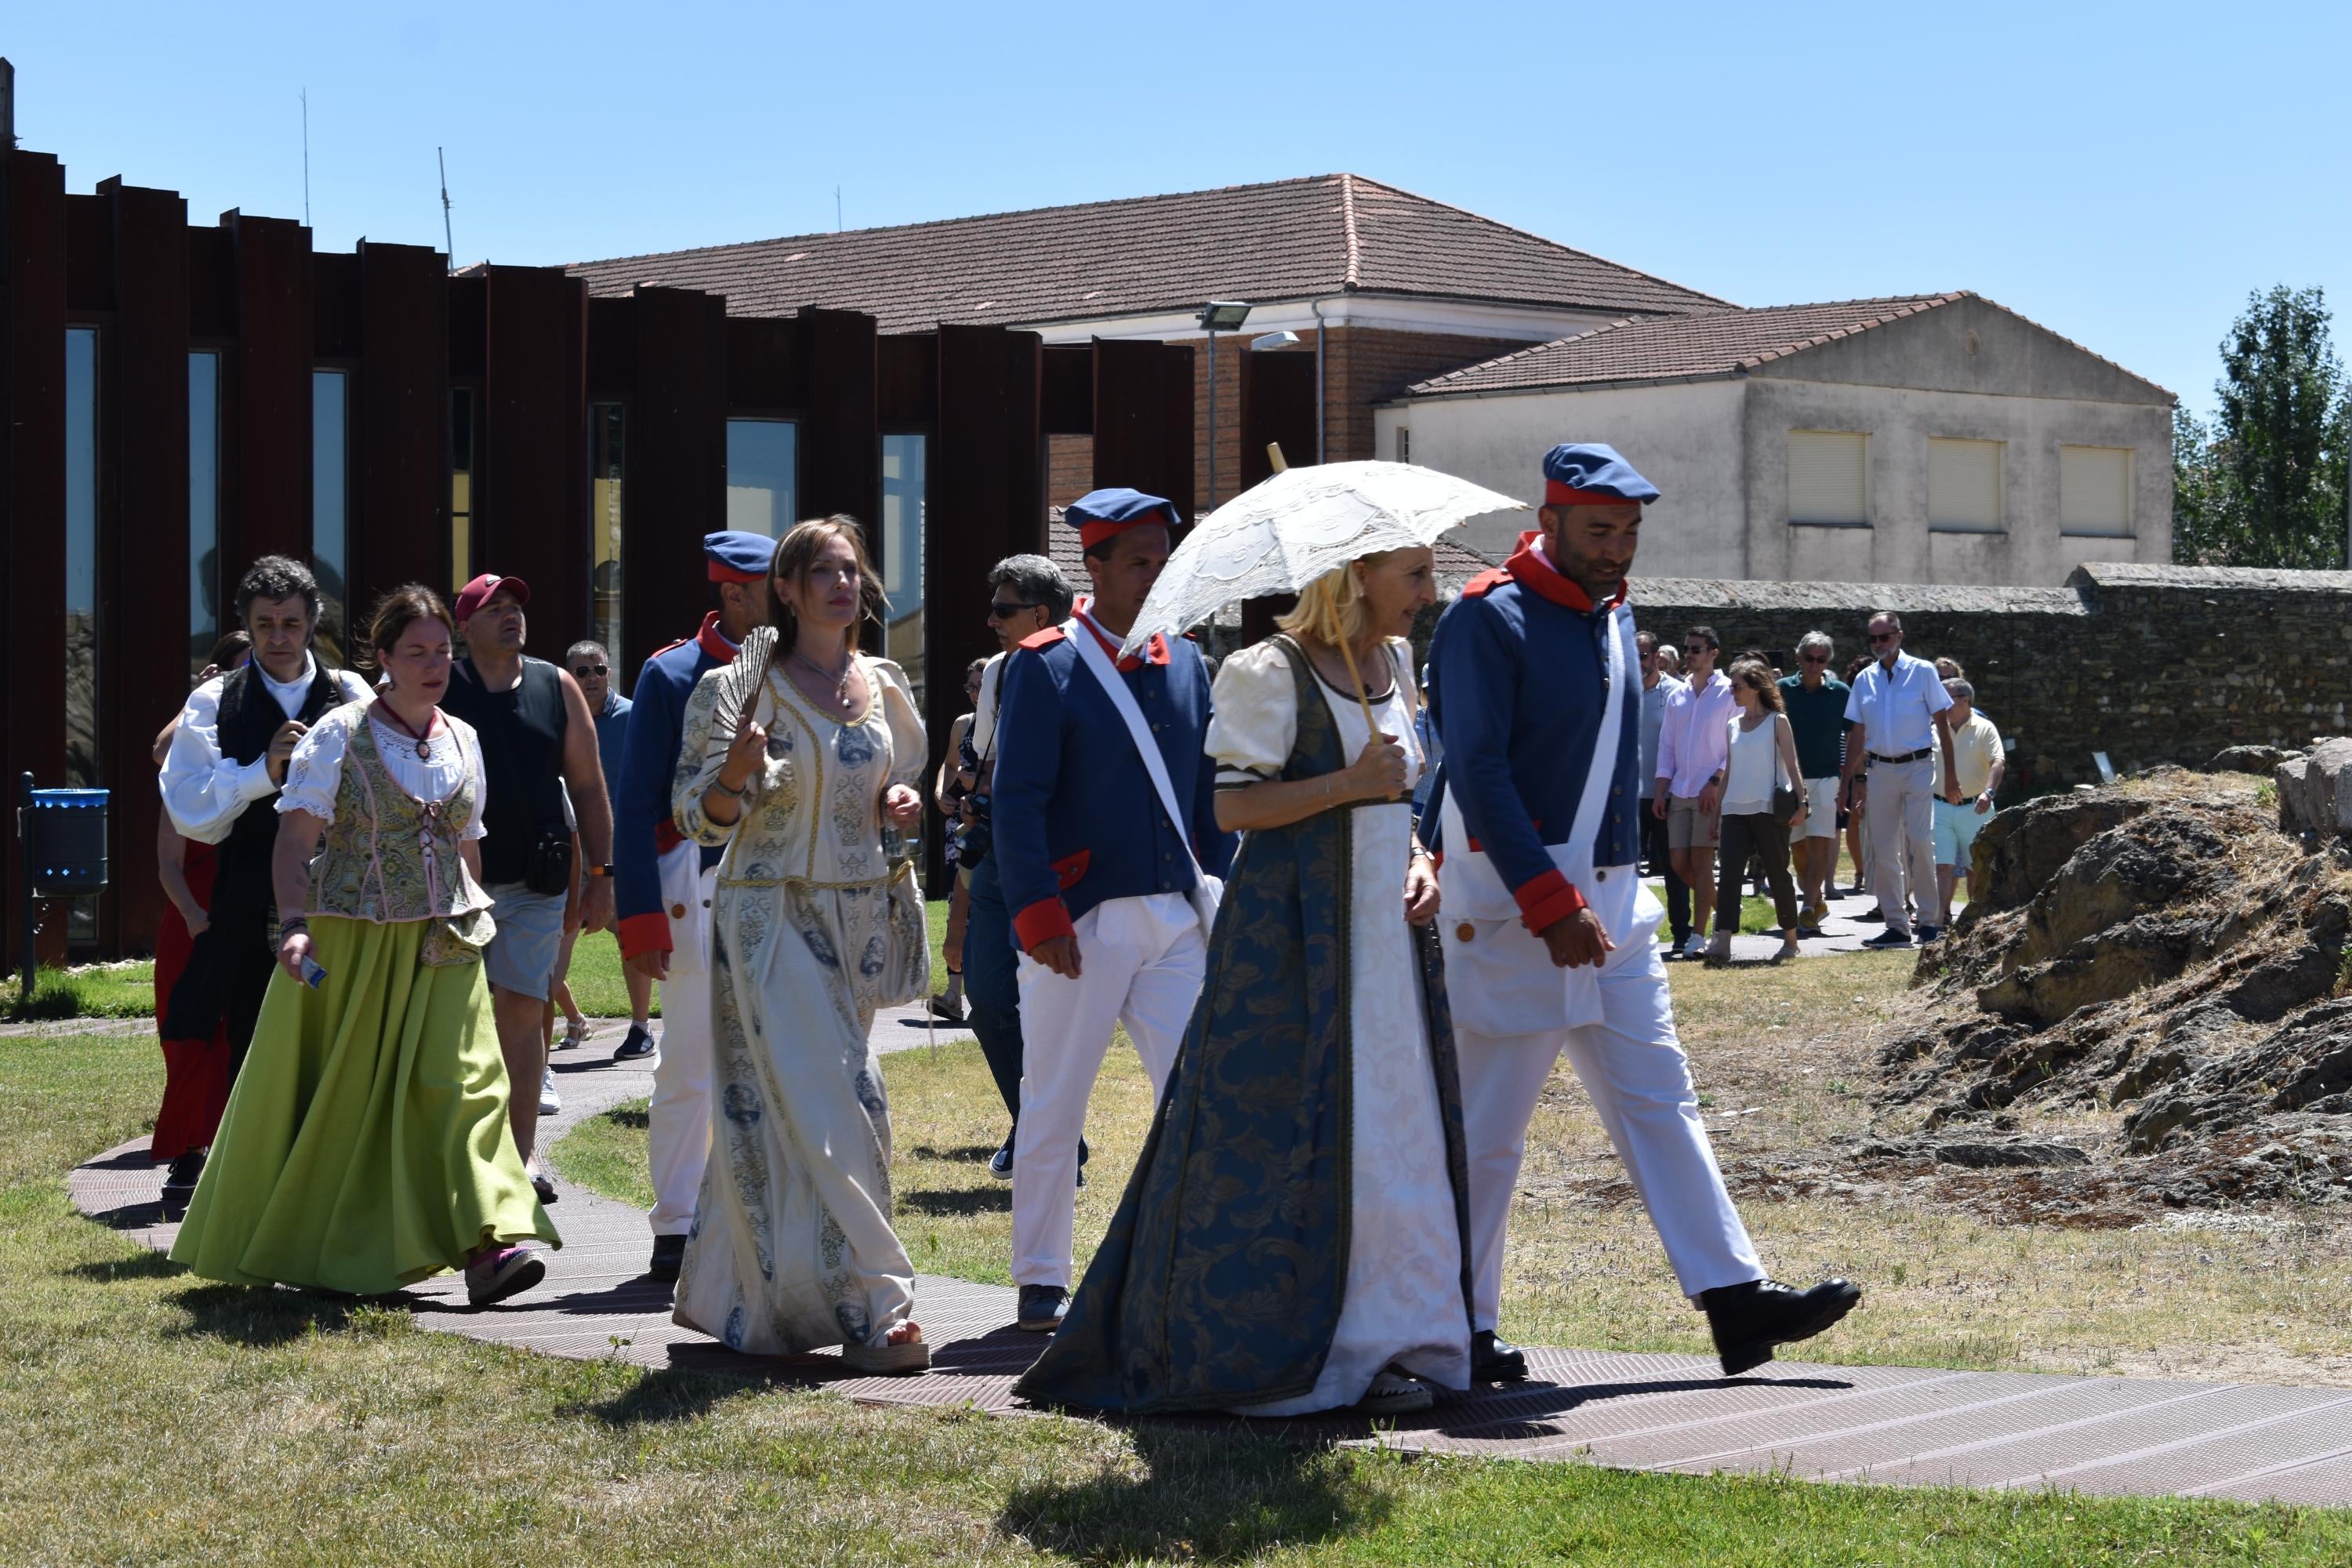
[{"x": 152, "y": 1417}]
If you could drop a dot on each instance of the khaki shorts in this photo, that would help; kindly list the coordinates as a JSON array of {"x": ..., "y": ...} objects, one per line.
[
  {"x": 1687, "y": 827},
  {"x": 1821, "y": 808}
]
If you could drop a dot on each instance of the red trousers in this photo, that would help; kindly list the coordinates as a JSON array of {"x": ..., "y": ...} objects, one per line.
[{"x": 195, "y": 1072}]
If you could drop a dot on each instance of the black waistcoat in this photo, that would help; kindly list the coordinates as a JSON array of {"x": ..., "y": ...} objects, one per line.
[
  {"x": 522, "y": 735},
  {"x": 249, "y": 716}
]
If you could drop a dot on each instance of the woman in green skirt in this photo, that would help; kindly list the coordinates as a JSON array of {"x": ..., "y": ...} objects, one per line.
[{"x": 366, "y": 1144}]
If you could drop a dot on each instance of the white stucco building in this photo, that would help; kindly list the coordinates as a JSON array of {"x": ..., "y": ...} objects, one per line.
[{"x": 1934, "y": 438}]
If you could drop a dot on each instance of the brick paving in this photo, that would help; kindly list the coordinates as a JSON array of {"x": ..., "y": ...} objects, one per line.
[{"x": 1861, "y": 1424}]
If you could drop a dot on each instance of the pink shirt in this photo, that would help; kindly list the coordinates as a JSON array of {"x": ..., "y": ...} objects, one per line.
[{"x": 1693, "y": 740}]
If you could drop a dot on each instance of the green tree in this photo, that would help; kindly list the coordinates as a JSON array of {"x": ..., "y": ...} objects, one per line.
[{"x": 2265, "y": 486}]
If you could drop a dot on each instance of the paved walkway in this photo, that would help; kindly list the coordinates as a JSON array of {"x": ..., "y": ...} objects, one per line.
[{"x": 1900, "y": 1424}]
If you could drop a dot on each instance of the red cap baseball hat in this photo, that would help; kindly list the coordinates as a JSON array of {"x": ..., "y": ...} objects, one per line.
[{"x": 475, "y": 594}]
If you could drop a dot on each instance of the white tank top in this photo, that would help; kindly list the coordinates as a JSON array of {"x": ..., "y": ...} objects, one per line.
[{"x": 1749, "y": 777}]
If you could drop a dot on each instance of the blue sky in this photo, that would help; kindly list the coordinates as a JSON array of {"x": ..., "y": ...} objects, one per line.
[{"x": 2123, "y": 175}]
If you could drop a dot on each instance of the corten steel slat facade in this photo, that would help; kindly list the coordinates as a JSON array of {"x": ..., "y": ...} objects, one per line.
[{"x": 528, "y": 352}]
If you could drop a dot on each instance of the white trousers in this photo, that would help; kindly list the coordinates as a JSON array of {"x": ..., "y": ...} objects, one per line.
[
  {"x": 1633, "y": 1066},
  {"x": 678, "y": 1123},
  {"x": 1899, "y": 815},
  {"x": 1140, "y": 963}
]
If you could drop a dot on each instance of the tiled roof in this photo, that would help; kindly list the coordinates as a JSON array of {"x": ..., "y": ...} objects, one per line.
[
  {"x": 1455, "y": 561},
  {"x": 1288, "y": 239},
  {"x": 1719, "y": 342}
]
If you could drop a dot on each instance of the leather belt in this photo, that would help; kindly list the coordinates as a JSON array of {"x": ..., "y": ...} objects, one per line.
[{"x": 1921, "y": 755}]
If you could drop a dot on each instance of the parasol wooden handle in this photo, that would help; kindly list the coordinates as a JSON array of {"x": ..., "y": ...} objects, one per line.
[
  {"x": 1274, "y": 456},
  {"x": 1348, "y": 652}
]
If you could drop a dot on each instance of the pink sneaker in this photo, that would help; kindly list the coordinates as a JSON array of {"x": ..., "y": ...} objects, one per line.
[{"x": 496, "y": 1273}]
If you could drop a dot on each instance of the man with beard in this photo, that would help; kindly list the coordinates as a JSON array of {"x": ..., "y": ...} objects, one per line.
[{"x": 1551, "y": 939}]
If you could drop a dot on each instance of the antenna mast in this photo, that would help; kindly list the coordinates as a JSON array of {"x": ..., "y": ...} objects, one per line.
[
  {"x": 452, "y": 245},
  {"x": 306, "y": 157}
]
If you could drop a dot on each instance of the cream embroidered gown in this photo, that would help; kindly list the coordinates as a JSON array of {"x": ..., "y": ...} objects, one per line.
[{"x": 791, "y": 1247}]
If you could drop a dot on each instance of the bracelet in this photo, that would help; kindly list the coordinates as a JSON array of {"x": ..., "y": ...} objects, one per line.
[
  {"x": 718, "y": 787},
  {"x": 287, "y": 928}
]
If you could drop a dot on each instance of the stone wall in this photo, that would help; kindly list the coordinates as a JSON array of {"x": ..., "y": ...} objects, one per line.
[{"x": 2148, "y": 664}]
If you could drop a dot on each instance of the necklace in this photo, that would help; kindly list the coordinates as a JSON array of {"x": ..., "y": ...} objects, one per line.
[
  {"x": 841, "y": 697},
  {"x": 421, "y": 738}
]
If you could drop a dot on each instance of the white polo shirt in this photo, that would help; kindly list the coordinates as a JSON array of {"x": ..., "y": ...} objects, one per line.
[{"x": 1897, "y": 707}]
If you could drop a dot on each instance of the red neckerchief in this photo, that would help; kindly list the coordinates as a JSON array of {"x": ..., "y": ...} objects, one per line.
[
  {"x": 1154, "y": 652},
  {"x": 1533, "y": 571},
  {"x": 713, "y": 641}
]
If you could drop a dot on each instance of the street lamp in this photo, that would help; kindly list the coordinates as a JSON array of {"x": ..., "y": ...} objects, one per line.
[{"x": 1218, "y": 316}]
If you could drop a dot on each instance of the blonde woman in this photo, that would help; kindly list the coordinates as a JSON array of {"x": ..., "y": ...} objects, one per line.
[
  {"x": 1315, "y": 1090},
  {"x": 1760, "y": 762},
  {"x": 814, "y": 925}
]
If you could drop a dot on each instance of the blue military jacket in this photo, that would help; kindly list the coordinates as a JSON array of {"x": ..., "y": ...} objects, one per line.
[
  {"x": 643, "y": 830},
  {"x": 1077, "y": 820},
  {"x": 1518, "y": 675}
]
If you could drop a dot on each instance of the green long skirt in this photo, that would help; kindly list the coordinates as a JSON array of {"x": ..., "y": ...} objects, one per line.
[{"x": 366, "y": 1144}]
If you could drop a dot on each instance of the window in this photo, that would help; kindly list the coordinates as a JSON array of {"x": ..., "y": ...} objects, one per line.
[
  {"x": 461, "y": 487},
  {"x": 1827, "y": 482},
  {"x": 329, "y": 503},
  {"x": 1964, "y": 487},
  {"x": 605, "y": 426},
  {"x": 1403, "y": 445},
  {"x": 762, "y": 475},
  {"x": 204, "y": 508},
  {"x": 904, "y": 481},
  {"x": 81, "y": 560},
  {"x": 2094, "y": 492}
]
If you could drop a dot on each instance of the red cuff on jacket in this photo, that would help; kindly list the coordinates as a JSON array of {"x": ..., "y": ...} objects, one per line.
[
  {"x": 1547, "y": 900},
  {"x": 643, "y": 934},
  {"x": 1043, "y": 921}
]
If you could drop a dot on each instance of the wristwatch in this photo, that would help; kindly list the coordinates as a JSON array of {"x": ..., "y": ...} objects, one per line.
[{"x": 603, "y": 870}]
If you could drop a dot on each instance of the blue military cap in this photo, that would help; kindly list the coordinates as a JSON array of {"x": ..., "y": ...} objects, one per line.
[
  {"x": 1099, "y": 514},
  {"x": 736, "y": 556},
  {"x": 1590, "y": 474}
]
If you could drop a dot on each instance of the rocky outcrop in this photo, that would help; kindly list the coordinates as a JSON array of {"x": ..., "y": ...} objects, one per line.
[
  {"x": 2310, "y": 799},
  {"x": 2262, "y": 760}
]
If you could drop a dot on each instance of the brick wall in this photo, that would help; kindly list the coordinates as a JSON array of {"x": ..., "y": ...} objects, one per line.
[
  {"x": 1361, "y": 365},
  {"x": 2149, "y": 664}
]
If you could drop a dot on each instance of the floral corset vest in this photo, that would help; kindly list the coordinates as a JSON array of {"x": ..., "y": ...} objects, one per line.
[{"x": 389, "y": 857}]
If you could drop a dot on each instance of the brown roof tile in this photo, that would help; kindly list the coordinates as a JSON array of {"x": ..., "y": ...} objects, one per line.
[
  {"x": 1720, "y": 343},
  {"x": 1286, "y": 239}
]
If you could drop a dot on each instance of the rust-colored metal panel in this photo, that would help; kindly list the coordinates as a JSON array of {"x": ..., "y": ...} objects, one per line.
[
  {"x": 531, "y": 520},
  {"x": 90, "y": 253},
  {"x": 907, "y": 380},
  {"x": 400, "y": 521},
  {"x": 674, "y": 470},
  {"x": 272, "y": 393},
  {"x": 1066, "y": 395},
  {"x": 1143, "y": 419},
  {"x": 335, "y": 305},
  {"x": 33, "y": 488},
  {"x": 841, "y": 441},
  {"x": 767, "y": 363},
  {"x": 990, "y": 447},
  {"x": 1277, "y": 406},
  {"x": 1176, "y": 428},
  {"x": 469, "y": 325},
  {"x": 142, "y": 559},
  {"x": 212, "y": 283},
  {"x": 611, "y": 347}
]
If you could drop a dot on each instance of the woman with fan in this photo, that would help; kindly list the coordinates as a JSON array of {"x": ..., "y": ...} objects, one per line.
[
  {"x": 799, "y": 761},
  {"x": 1294, "y": 1236}
]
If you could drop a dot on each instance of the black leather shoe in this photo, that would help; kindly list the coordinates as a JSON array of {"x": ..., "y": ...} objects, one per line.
[
  {"x": 1042, "y": 1308},
  {"x": 180, "y": 1181},
  {"x": 669, "y": 1256},
  {"x": 1749, "y": 1320},
  {"x": 1495, "y": 1360}
]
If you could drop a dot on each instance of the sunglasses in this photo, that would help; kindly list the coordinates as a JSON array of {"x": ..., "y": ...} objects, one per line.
[
  {"x": 1877, "y": 638},
  {"x": 1814, "y": 657},
  {"x": 1697, "y": 648},
  {"x": 1005, "y": 609},
  {"x": 583, "y": 671}
]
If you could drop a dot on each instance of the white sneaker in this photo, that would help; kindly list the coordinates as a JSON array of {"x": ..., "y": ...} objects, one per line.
[
  {"x": 1694, "y": 946},
  {"x": 548, "y": 1103}
]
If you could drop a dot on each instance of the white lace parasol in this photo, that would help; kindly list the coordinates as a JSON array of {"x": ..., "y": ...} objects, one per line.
[{"x": 1279, "y": 536}]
